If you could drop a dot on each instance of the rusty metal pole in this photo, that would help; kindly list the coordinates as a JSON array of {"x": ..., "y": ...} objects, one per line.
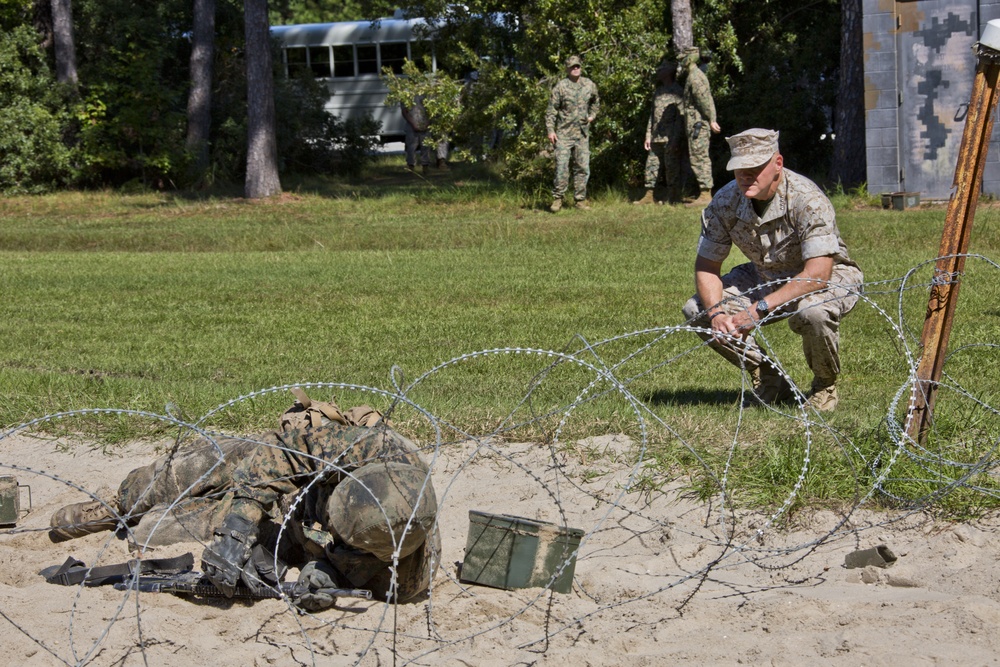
[{"x": 957, "y": 229}]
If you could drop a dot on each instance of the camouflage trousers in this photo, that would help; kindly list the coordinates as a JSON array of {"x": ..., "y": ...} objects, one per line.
[
  {"x": 664, "y": 156},
  {"x": 414, "y": 141},
  {"x": 183, "y": 496},
  {"x": 573, "y": 153},
  {"x": 815, "y": 317},
  {"x": 701, "y": 163}
]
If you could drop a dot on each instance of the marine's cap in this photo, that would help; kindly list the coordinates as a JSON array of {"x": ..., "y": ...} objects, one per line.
[
  {"x": 573, "y": 60},
  {"x": 751, "y": 148}
]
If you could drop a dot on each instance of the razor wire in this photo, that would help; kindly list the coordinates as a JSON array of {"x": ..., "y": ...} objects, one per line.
[{"x": 627, "y": 508}]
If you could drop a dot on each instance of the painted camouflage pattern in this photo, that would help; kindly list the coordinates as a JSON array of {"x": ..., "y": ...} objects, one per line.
[
  {"x": 260, "y": 479},
  {"x": 798, "y": 224},
  {"x": 699, "y": 107},
  {"x": 571, "y": 105},
  {"x": 665, "y": 134}
]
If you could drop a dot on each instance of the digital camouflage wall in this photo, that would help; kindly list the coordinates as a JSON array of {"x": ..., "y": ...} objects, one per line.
[{"x": 919, "y": 69}]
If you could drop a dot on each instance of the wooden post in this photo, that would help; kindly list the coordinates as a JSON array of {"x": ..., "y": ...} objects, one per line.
[{"x": 957, "y": 228}]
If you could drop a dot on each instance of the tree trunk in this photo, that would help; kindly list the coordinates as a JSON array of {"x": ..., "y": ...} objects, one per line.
[
  {"x": 199, "y": 107},
  {"x": 262, "y": 146},
  {"x": 62, "y": 31},
  {"x": 680, "y": 11},
  {"x": 849, "y": 125}
]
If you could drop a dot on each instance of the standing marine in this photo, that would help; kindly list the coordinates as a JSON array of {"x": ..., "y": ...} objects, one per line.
[
  {"x": 664, "y": 136},
  {"x": 699, "y": 120},
  {"x": 573, "y": 105}
]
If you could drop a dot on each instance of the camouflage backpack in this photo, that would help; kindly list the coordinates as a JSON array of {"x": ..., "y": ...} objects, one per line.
[{"x": 307, "y": 413}]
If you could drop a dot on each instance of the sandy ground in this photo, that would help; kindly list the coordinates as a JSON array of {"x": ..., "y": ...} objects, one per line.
[{"x": 660, "y": 579}]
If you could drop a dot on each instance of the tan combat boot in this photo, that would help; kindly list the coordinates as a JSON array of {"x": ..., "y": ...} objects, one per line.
[
  {"x": 703, "y": 200},
  {"x": 823, "y": 396},
  {"x": 646, "y": 199},
  {"x": 556, "y": 205},
  {"x": 769, "y": 387},
  {"x": 583, "y": 205},
  {"x": 442, "y": 164},
  {"x": 81, "y": 519}
]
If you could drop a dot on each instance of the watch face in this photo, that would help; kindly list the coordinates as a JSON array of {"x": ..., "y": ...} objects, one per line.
[{"x": 762, "y": 306}]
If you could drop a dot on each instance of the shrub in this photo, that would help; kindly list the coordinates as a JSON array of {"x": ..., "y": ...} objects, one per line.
[{"x": 33, "y": 118}]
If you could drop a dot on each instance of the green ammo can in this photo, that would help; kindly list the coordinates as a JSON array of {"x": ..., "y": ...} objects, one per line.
[
  {"x": 10, "y": 502},
  {"x": 507, "y": 551}
]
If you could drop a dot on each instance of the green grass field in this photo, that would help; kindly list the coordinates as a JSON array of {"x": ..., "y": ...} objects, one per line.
[{"x": 140, "y": 301}]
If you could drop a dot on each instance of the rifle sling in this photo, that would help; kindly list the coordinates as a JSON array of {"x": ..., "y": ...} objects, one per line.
[{"x": 73, "y": 571}]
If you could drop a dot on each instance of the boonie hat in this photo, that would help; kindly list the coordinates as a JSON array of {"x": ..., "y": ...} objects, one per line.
[
  {"x": 751, "y": 148},
  {"x": 573, "y": 60}
]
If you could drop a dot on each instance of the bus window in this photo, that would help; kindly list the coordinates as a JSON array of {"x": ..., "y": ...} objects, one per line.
[
  {"x": 296, "y": 60},
  {"x": 367, "y": 59},
  {"x": 319, "y": 61},
  {"x": 393, "y": 54},
  {"x": 418, "y": 50},
  {"x": 343, "y": 61}
]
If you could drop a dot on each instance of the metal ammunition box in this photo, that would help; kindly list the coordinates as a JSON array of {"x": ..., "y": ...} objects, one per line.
[
  {"x": 508, "y": 552},
  {"x": 900, "y": 201},
  {"x": 10, "y": 504}
]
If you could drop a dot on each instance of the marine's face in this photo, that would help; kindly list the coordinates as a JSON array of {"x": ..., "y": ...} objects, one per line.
[
  {"x": 760, "y": 182},
  {"x": 574, "y": 71}
]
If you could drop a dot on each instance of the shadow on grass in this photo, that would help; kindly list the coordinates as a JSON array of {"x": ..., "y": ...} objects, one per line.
[{"x": 692, "y": 397}]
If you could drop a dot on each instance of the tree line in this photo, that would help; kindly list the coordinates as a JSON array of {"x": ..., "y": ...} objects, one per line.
[{"x": 183, "y": 93}]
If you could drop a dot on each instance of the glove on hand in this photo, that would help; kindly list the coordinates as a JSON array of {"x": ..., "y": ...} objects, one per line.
[
  {"x": 316, "y": 575},
  {"x": 223, "y": 560}
]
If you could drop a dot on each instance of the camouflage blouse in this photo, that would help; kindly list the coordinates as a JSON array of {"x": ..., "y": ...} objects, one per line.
[{"x": 799, "y": 224}]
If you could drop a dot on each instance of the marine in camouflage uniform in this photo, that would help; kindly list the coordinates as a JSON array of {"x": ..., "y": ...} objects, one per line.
[
  {"x": 664, "y": 136},
  {"x": 416, "y": 137},
  {"x": 699, "y": 120},
  {"x": 355, "y": 496},
  {"x": 784, "y": 224},
  {"x": 573, "y": 105}
]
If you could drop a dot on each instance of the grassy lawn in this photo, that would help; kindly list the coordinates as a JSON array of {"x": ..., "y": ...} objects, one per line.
[{"x": 188, "y": 300}]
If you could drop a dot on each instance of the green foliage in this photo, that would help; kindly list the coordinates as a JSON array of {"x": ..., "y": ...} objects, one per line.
[
  {"x": 440, "y": 93},
  {"x": 518, "y": 55},
  {"x": 774, "y": 65},
  {"x": 292, "y": 12},
  {"x": 33, "y": 118},
  {"x": 14, "y": 13},
  {"x": 133, "y": 87}
]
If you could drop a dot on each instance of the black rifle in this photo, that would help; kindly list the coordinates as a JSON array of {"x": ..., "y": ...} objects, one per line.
[{"x": 196, "y": 583}]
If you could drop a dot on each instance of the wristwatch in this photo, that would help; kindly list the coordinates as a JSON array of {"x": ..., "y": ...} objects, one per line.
[{"x": 762, "y": 309}]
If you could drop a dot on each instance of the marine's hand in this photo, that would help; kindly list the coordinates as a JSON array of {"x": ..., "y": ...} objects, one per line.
[
  {"x": 552, "y": 138},
  {"x": 316, "y": 576},
  {"x": 715, "y": 127},
  {"x": 740, "y": 324},
  {"x": 223, "y": 560}
]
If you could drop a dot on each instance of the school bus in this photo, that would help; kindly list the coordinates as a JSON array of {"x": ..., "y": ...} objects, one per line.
[{"x": 349, "y": 57}]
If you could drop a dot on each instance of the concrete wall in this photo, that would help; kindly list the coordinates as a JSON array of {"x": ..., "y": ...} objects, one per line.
[{"x": 919, "y": 69}]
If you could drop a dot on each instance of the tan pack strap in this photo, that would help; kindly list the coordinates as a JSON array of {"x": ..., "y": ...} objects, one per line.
[{"x": 301, "y": 397}]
